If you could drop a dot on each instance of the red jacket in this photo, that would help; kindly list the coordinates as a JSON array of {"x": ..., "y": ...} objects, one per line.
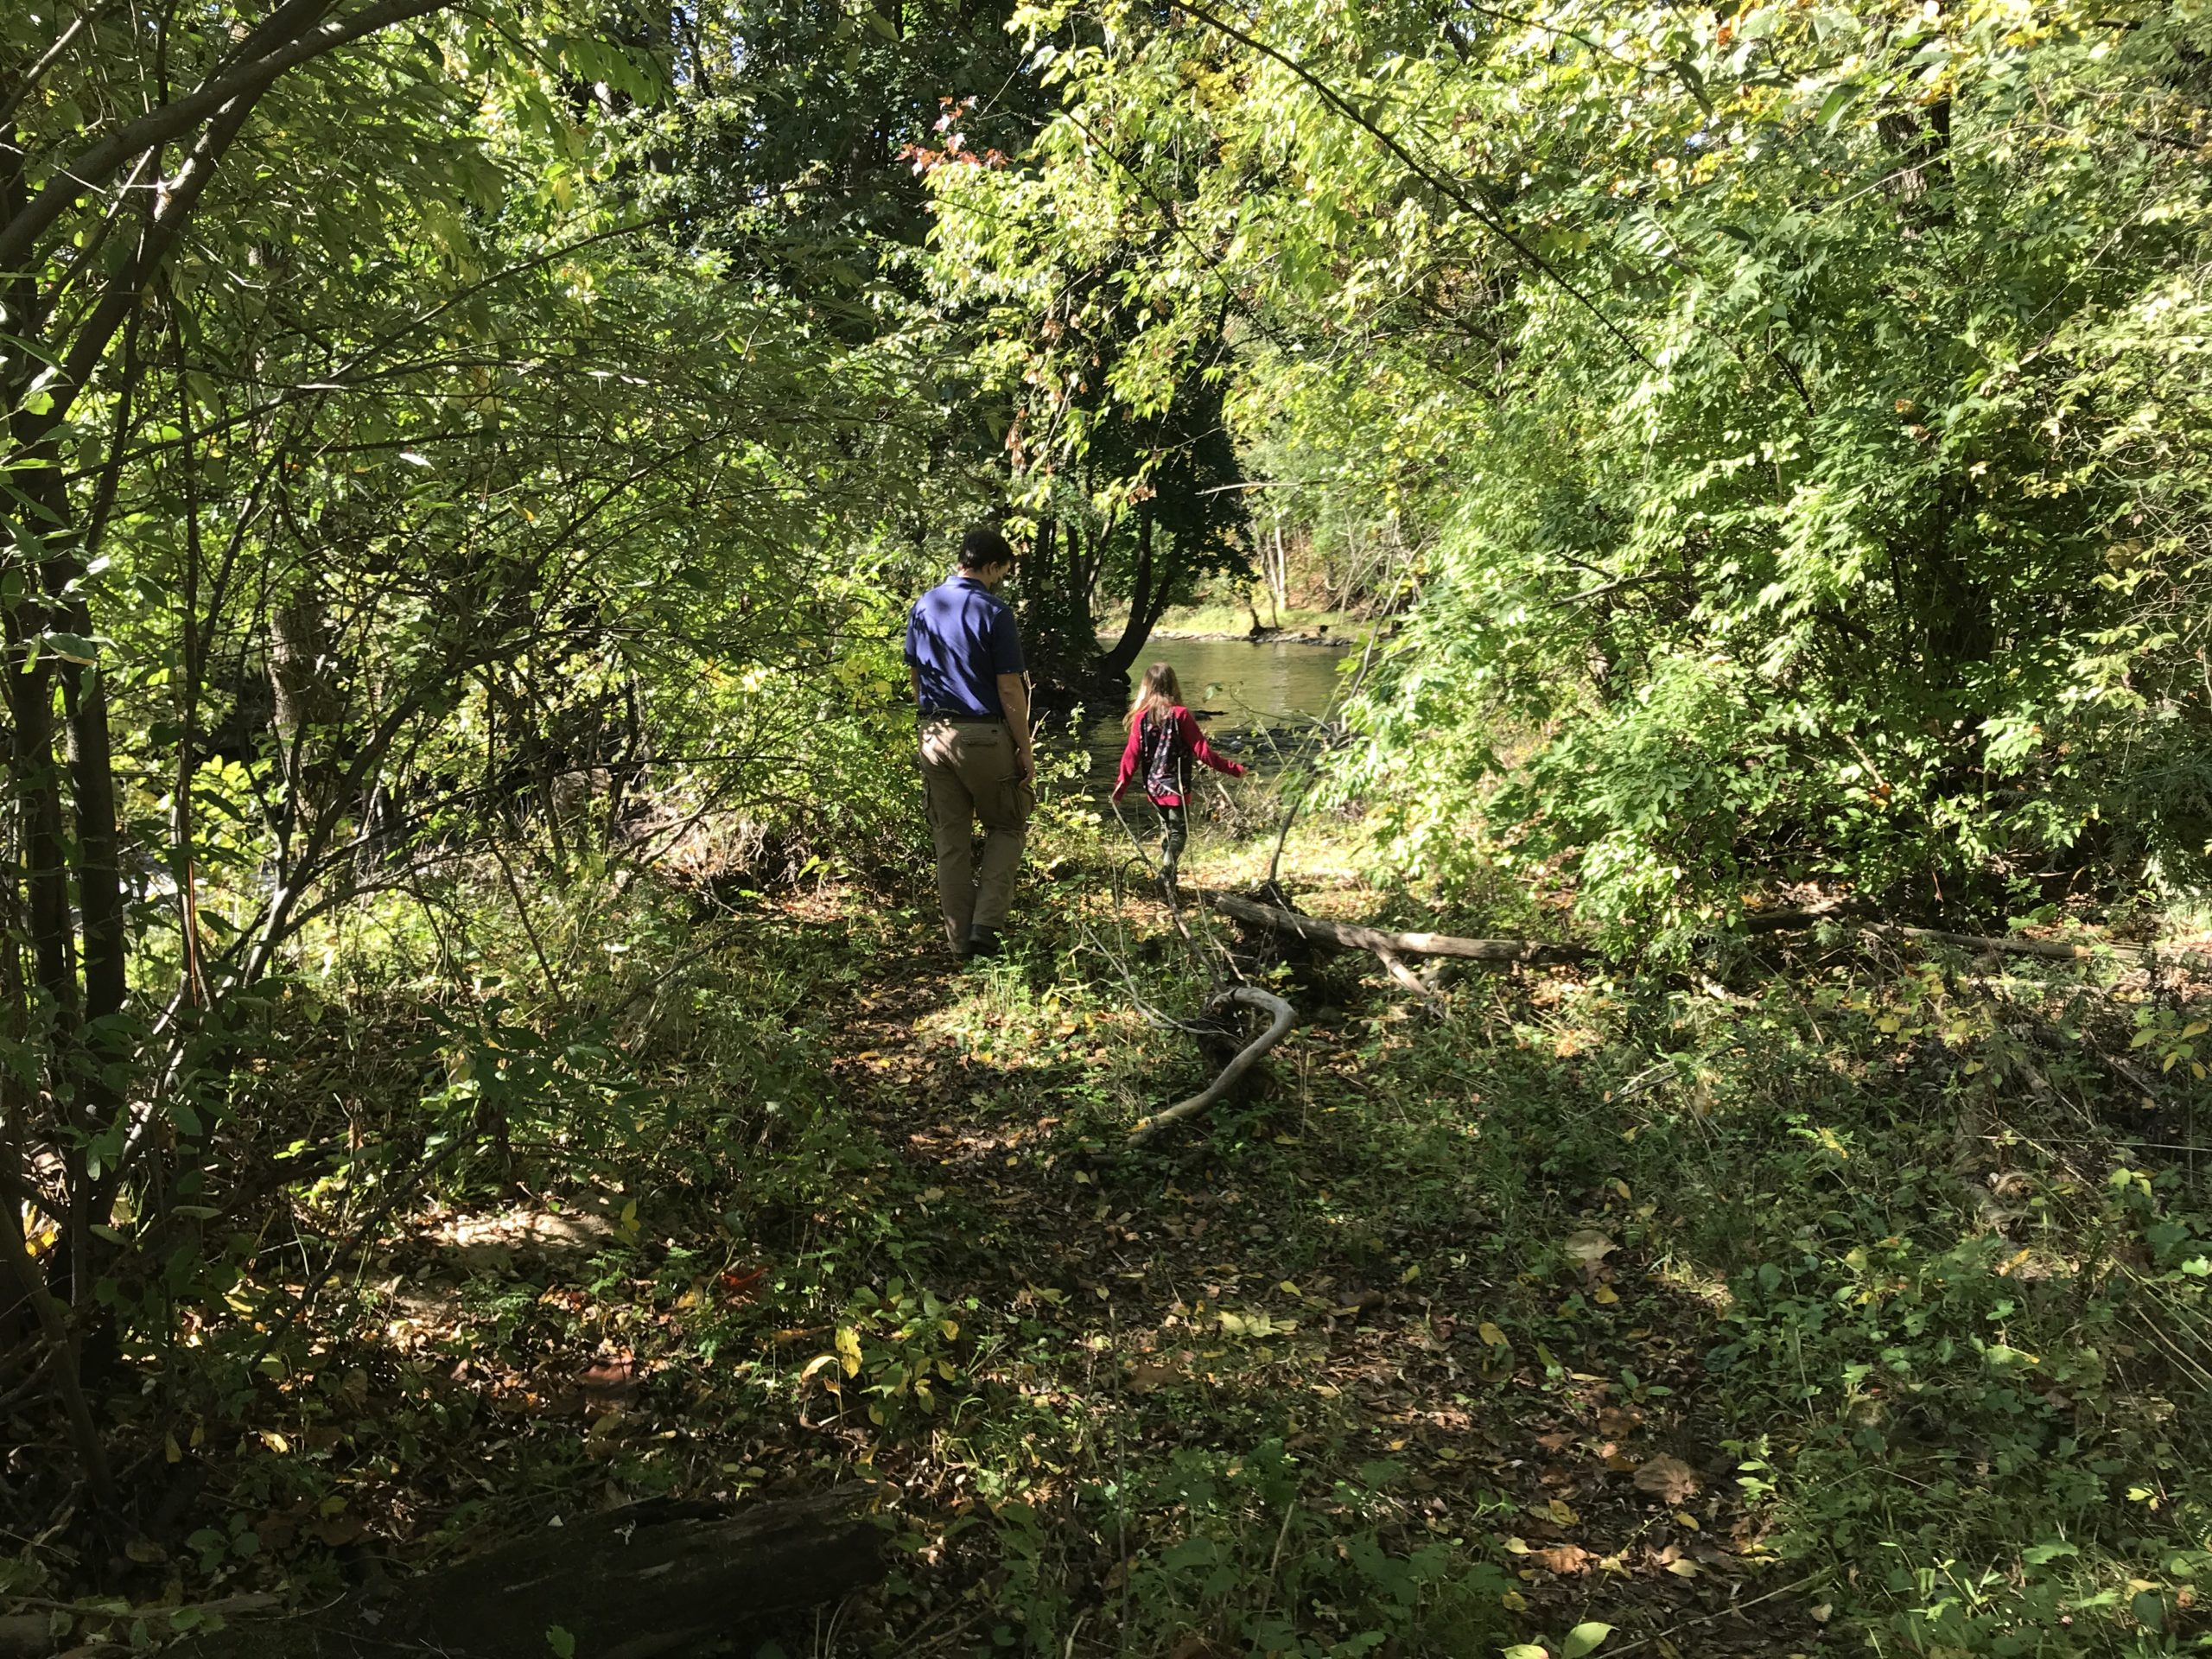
[{"x": 1163, "y": 769}]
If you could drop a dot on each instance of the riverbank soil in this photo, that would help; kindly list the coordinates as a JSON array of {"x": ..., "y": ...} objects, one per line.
[{"x": 1712, "y": 1308}]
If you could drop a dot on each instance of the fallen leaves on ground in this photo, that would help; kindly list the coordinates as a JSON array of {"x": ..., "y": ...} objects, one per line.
[{"x": 1667, "y": 1479}]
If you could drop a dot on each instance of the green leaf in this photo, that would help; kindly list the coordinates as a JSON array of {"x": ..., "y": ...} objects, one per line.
[
  {"x": 1583, "y": 1638},
  {"x": 1525, "y": 1651},
  {"x": 564, "y": 1644},
  {"x": 70, "y": 647}
]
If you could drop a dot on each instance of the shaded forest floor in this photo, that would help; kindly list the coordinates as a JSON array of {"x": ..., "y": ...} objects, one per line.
[{"x": 1821, "y": 1300}]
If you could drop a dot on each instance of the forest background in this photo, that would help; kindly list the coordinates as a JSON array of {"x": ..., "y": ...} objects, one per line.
[{"x": 472, "y": 1056}]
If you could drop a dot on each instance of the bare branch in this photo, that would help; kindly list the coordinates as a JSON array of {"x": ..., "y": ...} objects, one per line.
[
  {"x": 19, "y": 237},
  {"x": 1247, "y": 1057}
]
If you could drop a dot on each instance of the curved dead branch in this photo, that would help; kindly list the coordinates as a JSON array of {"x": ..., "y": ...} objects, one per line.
[{"x": 1246, "y": 1057}]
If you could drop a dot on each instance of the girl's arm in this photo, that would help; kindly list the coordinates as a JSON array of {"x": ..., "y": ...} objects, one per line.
[
  {"x": 1196, "y": 740},
  {"x": 1128, "y": 761}
]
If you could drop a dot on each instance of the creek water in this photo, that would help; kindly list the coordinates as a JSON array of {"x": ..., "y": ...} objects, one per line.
[{"x": 1236, "y": 687}]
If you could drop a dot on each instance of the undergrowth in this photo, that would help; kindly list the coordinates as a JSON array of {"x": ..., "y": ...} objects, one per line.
[{"x": 1816, "y": 1300}]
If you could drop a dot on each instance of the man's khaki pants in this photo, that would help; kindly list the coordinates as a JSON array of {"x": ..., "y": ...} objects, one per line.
[{"x": 969, "y": 770}]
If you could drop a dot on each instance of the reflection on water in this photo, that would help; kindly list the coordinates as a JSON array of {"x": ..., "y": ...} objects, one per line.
[{"x": 1233, "y": 687}]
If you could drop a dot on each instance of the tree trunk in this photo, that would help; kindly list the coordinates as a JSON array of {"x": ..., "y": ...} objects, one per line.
[
  {"x": 1148, "y": 596},
  {"x": 305, "y": 688}
]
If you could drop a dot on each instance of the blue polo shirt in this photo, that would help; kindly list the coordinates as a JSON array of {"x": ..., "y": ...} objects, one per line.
[{"x": 962, "y": 637}]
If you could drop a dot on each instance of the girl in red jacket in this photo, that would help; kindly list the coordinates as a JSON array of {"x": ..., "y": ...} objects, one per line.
[{"x": 1163, "y": 741}]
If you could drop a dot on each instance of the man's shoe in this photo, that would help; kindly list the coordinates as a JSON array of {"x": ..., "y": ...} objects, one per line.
[{"x": 983, "y": 942}]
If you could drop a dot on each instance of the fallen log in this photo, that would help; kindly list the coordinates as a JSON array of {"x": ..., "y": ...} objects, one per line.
[
  {"x": 2051, "y": 950},
  {"x": 655, "y": 1579},
  {"x": 1245, "y": 1059},
  {"x": 1350, "y": 935},
  {"x": 1388, "y": 945}
]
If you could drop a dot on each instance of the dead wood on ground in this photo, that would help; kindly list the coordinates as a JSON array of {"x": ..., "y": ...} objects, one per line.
[
  {"x": 1245, "y": 1059},
  {"x": 1350, "y": 935},
  {"x": 661, "y": 1578}
]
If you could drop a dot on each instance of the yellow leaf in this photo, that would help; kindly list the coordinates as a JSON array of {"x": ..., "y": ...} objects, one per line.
[
  {"x": 1682, "y": 1569},
  {"x": 1560, "y": 1513},
  {"x": 849, "y": 1348},
  {"x": 1514, "y": 1602},
  {"x": 1491, "y": 1334},
  {"x": 172, "y": 1450},
  {"x": 276, "y": 1442},
  {"x": 1605, "y": 1296},
  {"x": 1516, "y": 1545},
  {"x": 1683, "y": 1517}
]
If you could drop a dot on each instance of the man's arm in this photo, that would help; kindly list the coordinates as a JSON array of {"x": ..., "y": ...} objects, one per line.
[{"x": 1014, "y": 698}]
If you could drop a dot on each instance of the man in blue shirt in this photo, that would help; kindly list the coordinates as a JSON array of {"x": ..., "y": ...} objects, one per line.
[{"x": 964, "y": 655}]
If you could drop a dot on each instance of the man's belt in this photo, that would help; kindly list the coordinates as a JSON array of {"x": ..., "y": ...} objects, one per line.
[{"x": 963, "y": 719}]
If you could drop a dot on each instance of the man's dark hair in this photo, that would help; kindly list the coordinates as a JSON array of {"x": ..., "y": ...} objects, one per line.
[{"x": 983, "y": 546}]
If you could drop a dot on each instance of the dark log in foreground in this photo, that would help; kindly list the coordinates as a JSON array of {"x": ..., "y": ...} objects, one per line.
[
  {"x": 1350, "y": 936},
  {"x": 1245, "y": 1059},
  {"x": 656, "y": 1579}
]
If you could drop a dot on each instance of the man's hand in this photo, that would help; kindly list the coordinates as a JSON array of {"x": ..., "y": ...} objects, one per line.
[{"x": 1014, "y": 698}]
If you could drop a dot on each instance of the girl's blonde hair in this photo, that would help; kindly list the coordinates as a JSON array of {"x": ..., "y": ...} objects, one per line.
[{"x": 1158, "y": 694}]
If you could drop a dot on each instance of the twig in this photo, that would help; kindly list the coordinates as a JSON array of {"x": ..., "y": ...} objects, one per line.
[
  {"x": 1393, "y": 965},
  {"x": 1274, "y": 1561}
]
